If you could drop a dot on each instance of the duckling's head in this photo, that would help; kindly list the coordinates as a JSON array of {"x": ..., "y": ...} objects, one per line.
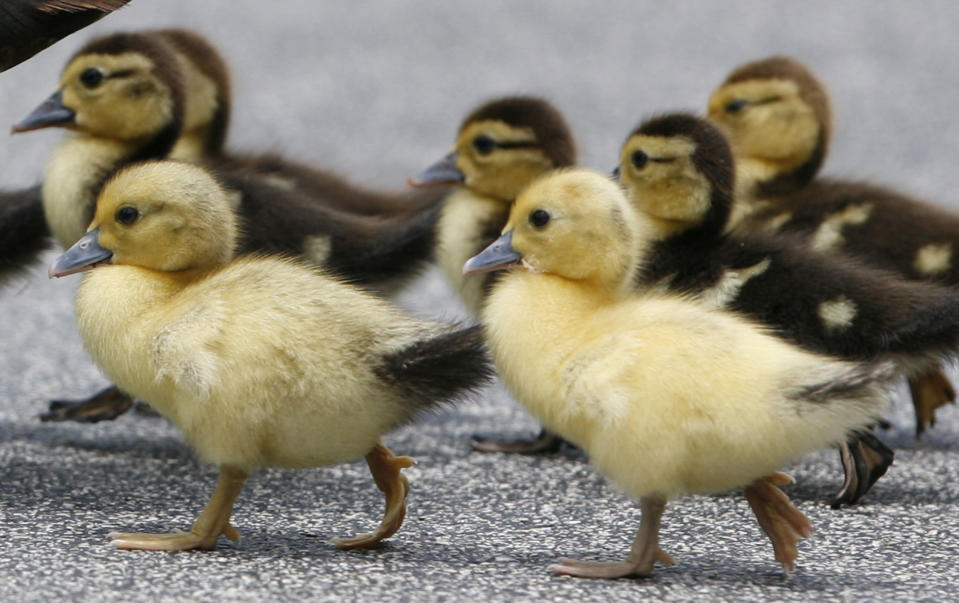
[
  {"x": 678, "y": 170},
  {"x": 163, "y": 215},
  {"x": 574, "y": 223},
  {"x": 126, "y": 87},
  {"x": 502, "y": 146},
  {"x": 775, "y": 111}
]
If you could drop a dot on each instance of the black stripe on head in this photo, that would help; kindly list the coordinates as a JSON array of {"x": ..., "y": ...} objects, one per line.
[
  {"x": 713, "y": 158},
  {"x": 813, "y": 93},
  {"x": 166, "y": 69},
  {"x": 552, "y": 134}
]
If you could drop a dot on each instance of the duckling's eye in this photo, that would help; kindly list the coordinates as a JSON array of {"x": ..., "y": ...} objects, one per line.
[
  {"x": 127, "y": 215},
  {"x": 91, "y": 77},
  {"x": 483, "y": 144},
  {"x": 735, "y": 106},
  {"x": 639, "y": 159},
  {"x": 539, "y": 218}
]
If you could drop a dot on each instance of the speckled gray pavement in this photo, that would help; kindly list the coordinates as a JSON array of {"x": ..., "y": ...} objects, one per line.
[{"x": 376, "y": 91}]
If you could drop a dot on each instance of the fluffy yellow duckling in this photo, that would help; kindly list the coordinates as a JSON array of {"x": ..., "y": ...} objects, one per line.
[
  {"x": 667, "y": 397},
  {"x": 261, "y": 361}
]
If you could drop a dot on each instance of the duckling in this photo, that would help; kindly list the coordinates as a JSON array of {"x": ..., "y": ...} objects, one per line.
[
  {"x": 776, "y": 115},
  {"x": 260, "y": 361},
  {"x": 124, "y": 98},
  {"x": 667, "y": 396},
  {"x": 502, "y": 146},
  {"x": 29, "y": 26},
  {"x": 679, "y": 171}
]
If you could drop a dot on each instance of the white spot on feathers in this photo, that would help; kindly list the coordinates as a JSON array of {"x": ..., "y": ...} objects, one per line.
[
  {"x": 837, "y": 314},
  {"x": 933, "y": 259}
]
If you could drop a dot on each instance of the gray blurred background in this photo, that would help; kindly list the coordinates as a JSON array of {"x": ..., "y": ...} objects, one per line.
[{"x": 376, "y": 90}]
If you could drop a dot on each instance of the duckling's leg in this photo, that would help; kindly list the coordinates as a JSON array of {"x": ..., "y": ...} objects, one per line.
[
  {"x": 546, "y": 442},
  {"x": 864, "y": 459},
  {"x": 105, "y": 405},
  {"x": 644, "y": 553},
  {"x": 782, "y": 522},
  {"x": 386, "y": 469},
  {"x": 213, "y": 521},
  {"x": 930, "y": 390}
]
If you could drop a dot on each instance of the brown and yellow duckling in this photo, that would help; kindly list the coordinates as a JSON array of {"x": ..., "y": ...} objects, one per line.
[
  {"x": 501, "y": 146},
  {"x": 124, "y": 98},
  {"x": 776, "y": 115},
  {"x": 260, "y": 361},
  {"x": 667, "y": 396},
  {"x": 679, "y": 171}
]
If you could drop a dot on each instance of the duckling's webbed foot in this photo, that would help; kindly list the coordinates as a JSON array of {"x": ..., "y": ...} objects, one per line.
[
  {"x": 864, "y": 459},
  {"x": 105, "y": 405},
  {"x": 783, "y": 523},
  {"x": 212, "y": 522},
  {"x": 644, "y": 554},
  {"x": 929, "y": 391},
  {"x": 387, "y": 473},
  {"x": 545, "y": 443}
]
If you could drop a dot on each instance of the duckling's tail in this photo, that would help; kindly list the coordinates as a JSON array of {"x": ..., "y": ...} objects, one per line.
[
  {"x": 23, "y": 230},
  {"x": 440, "y": 368},
  {"x": 861, "y": 382}
]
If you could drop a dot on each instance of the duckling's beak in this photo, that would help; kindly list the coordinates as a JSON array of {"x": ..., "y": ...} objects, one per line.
[
  {"x": 615, "y": 173},
  {"x": 498, "y": 255},
  {"x": 51, "y": 112},
  {"x": 443, "y": 171},
  {"x": 85, "y": 254}
]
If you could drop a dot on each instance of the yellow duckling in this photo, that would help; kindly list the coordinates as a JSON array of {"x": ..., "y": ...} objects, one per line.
[
  {"x": 667, "y": 397},
  {"x": 261, "y": 361}
]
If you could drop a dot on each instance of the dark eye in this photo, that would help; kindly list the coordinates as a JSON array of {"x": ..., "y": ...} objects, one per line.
[
  {"x": 483, "y": 144},
  {"x": 127, "y": 215},
  {"x": 91, "y": 77},
  {"x": 539, "y": 218},
  {"x": 735, "y": 106},
  {"x": 639, "y": 159}
]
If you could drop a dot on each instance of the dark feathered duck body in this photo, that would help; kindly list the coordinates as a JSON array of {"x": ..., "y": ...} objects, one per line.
[
  {"x": 678, "y": 169},
  {"x": 29, "y": 26},
  {"x": 775, "y": 109}
]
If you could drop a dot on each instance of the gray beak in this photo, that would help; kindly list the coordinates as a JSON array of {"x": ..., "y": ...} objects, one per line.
[
  {"x": 443, "y": 171},
  {"x": 85, "y": 254},
  {"x": 500, "y": 254}
]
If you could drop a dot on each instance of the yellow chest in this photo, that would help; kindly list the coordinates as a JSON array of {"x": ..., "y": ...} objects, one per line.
[
  {"x": 467, "y": 225},
  {"x": 76, "y": 168}
]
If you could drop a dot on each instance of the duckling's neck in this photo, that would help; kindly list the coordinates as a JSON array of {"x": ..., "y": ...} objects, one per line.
[
  {"x": 468, "y": 224},
  {"x": 661, "y": 229},
  {"x": 116, "y": 317},
  {"x": 535, "y": 322},
  {"x": 77, "y": 169}
]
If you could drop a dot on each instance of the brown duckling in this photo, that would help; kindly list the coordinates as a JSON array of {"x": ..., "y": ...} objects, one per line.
[
  {"x": 776, "y": 115},
  {"x": 679, "y": 171},
  {"x": 501, "y": 146},
  {"x": 29, "y": 26},
  {"x": 667, "y": 396},
  {"x": 124, "y": 99},
  {"x": 260, "y": 361}
]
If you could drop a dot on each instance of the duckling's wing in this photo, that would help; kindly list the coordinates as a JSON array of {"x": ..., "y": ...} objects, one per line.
[
  {"x": 29, "y": 26},
  {"x": 183, "y": 350},
  {"x": 23, "y": 229}
]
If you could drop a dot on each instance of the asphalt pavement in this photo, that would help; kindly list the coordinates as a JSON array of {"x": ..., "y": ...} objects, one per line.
[{"x": 376, "y": 91}]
